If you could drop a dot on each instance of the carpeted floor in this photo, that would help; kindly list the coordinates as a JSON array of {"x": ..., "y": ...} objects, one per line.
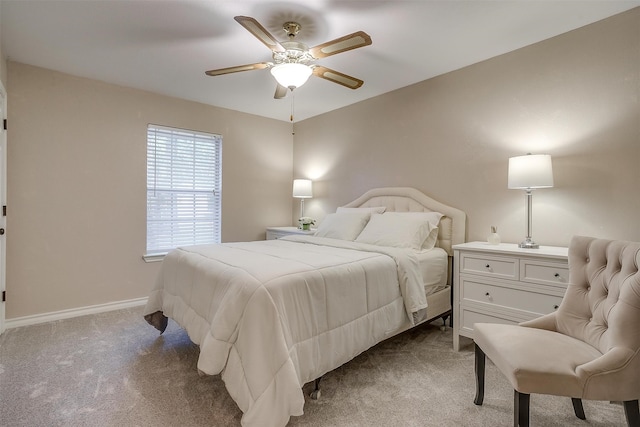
[{"x": 112, "y": 369}]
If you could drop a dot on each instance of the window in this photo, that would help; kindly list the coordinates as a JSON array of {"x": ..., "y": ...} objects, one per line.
[{"x": 183, "y": 188}]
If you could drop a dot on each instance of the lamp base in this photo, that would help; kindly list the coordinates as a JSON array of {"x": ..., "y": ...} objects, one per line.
[{"x": 529, "y": 244}]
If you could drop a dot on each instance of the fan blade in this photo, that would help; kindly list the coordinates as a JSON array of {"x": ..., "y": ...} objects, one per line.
[
  {"x": 238, "y": 68},
  {"x": 260, "y": 33},
  {"x": 337, "y": 77},
  {"x": 352, "y": 41},
  {"x": 281, "y": 92}
]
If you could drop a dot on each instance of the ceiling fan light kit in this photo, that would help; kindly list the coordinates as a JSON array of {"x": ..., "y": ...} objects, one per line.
[
  {"x": 291, "y": 67},
  {"x": 291, "y": 75}
]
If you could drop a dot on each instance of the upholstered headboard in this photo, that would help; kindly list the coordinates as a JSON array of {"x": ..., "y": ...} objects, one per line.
[{"x": 406, "y": 199}]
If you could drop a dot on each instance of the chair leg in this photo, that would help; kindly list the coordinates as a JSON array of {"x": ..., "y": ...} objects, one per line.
[
  {"x": 632, "y": 413},
  {"x": 479, "y": 368},
  {"x": 577, "y": 408},
  {"x": 520, "y": 409}
]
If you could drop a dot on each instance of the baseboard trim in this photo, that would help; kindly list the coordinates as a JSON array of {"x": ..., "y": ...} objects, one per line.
[{"x": 73, "y": 312}]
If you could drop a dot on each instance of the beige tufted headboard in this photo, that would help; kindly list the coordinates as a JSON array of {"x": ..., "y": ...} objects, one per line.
[{"x": 407, "y": 199}]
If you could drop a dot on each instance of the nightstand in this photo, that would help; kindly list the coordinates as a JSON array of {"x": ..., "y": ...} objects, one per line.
[
  {"x": 278, "y": 232},
  {"x": 505, "y": 284}
]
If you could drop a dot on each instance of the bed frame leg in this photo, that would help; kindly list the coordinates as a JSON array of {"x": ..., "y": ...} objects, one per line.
[
  {"x": 315, "y": 394},
  {"x": 446, "y": 316}
]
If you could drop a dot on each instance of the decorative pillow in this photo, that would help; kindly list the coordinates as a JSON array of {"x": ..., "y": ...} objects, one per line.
[
  {"x": 402, "y": 229},
  {"x": 374, "y": 210},
  {"x": 343, "y": 225}
]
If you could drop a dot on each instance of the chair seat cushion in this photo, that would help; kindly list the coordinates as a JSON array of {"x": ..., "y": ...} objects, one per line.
[{"x": 536, "y": 360}]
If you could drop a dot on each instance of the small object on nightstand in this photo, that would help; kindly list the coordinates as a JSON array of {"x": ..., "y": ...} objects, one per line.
[
  {"x": 494, "y": 237},
  {"x": 305, "y": 223}
]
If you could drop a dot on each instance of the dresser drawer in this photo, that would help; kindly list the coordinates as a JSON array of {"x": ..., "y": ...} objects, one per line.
[
  {"x": 509, "y": 297},
  {"x": 487, "y": 265},
  {"x": 544, "y": 272}
]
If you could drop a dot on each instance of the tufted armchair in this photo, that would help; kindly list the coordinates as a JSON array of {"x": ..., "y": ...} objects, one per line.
[{"x": 588, "y": 349}]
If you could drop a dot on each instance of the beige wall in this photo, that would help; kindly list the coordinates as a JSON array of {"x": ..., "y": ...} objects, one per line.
[
  {"x": 76, "y": 185},
  {"x": 3, "y": 62},
  {"x": 575, "y": 97}
]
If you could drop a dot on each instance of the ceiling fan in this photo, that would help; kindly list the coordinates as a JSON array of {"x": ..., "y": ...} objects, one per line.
[{"x": 292, "y": 60}]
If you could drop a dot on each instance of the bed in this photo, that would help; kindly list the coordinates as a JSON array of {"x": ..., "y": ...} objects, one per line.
[{"x": 271, "y": 316}]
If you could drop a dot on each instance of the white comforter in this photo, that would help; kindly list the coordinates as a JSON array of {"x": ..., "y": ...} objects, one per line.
[{"x": 273, "y": 315}]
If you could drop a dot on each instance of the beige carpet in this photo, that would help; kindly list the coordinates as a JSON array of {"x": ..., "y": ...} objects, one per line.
[{"x": 113, "y": 369}]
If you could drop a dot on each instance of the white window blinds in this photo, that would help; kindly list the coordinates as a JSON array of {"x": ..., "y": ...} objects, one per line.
[{"x": 183, "y": 188}]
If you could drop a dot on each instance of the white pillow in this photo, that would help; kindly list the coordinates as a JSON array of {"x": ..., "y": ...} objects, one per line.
[
  {"x": 431, "y": 239},
  {"x": 374, "y": 210},
  {"x": 343, "y": 225},
  {"x": 414, "y": 230}
]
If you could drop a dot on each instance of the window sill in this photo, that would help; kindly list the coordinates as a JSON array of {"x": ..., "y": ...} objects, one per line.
[{"x": 153, "y": 257}]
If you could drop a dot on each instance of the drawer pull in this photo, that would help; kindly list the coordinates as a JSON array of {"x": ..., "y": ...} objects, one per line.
[
  {"x": 556, "y": 275},
  {"x": 487, "y": 294},
  {"x": 555, "y": 307},
  {"x": 487, "y": 266}
]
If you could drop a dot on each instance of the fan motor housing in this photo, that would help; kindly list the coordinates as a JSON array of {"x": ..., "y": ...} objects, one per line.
[
  {"x": 291, "y": 28},
  {"x": 295, "y": 52}
]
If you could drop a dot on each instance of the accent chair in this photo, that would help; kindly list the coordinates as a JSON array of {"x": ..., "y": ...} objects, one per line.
[{"x": 588, "y": 349}]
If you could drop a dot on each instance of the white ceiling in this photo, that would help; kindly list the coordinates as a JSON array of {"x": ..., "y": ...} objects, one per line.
[{"x": 166, "y": 46}]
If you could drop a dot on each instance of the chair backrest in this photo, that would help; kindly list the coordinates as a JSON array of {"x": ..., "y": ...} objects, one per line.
[{"x": 602, "y": 303}]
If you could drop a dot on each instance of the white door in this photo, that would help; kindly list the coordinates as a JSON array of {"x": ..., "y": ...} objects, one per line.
[{"x": 3, "y": 199}]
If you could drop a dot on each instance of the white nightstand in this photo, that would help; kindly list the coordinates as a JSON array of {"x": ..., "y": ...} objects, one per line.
[
  {"x": 505, "y": 284},
  {"x": 278, "y": 232}
]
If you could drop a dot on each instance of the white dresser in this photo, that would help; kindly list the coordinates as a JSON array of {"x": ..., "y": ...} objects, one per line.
[
  {"x": 505, "y": 284},
  {"x": 278, "y": 232}
]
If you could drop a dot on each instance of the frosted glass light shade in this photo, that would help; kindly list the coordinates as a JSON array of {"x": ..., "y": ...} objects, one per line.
[
  {"x": 530, "y": 171},
  {"x": 291, "y": 75},
  {"x": 302, "y": 189}
]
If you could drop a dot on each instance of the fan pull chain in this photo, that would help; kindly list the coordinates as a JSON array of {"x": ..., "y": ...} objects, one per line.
[{"x": 293, "y": 131}]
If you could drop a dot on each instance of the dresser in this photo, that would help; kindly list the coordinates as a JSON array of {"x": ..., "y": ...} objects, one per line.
[
  {"x": 505, "y": 284},
  {"x": 278, "y": 232}
]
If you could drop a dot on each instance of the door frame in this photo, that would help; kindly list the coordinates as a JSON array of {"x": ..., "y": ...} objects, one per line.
[{"x": 3, "y": 201}]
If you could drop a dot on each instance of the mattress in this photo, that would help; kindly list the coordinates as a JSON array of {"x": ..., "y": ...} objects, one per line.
[{"x": 433, "y": 267}]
